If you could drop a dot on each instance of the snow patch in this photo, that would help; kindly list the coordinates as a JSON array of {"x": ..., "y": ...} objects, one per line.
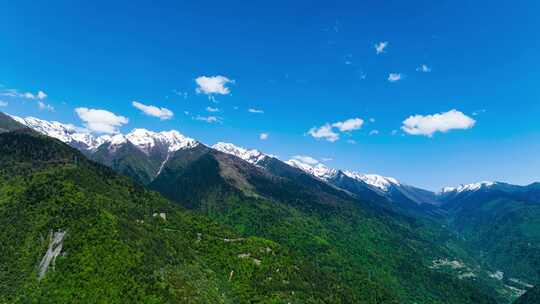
[
  {"x": 143, "y": 139},
  {"x": 468, "y": 187},
  {"x": 380, "y": 182},
  {"x": 318, "y": 170},
  {"x": 251, "y": 156}
]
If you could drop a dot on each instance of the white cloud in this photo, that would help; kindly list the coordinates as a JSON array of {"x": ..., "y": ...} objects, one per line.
[
  {"x": 263, "y": 136},
  {"x": 306, "y": 159},
  {"x": 372, "y": 120},
  {"x": 423, "y": 68},
  {"x": 352, "y": 141},
  {"x": 256, "y": 111},
  {"x": 213, "y": 85},
  {"x": 380, "y": 47},
  {"x": 210, "y": 109},
  {"x": 326, "y": 159},
  {"x": 328, "y": 132},
  {"x": 3, "y": 103},
  {"x": 161, "y": 113},
  {"x": 324, "y": 132},
  {"x": 393, "y": 77},
  {"x": 208, "y": 119},
  {"x": 440, "y": 122},
  {"x": 101, "y": 121},
  {"x": 349, "y": 124},
  {"x": 374, "y": 132},
  {"x": 40, "y": 95},
  {"x": 43, "y": 106}
]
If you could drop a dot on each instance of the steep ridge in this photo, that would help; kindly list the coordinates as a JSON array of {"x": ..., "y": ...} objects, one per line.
[
  {"x": 140, "y": 154},
  {"x": 75, "y": 231},
  {"x": 405, "y": 198},
  {"x": 500, "y": 222},
  {"x": 9, "y": 124},
  {"x": 356, "y": 241},
  {"x": 232, "y": 184}
]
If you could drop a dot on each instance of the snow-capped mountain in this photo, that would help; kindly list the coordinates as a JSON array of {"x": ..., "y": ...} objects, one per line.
[
  {"x": 77, "y": 137},
  {"x": 326, "y": 173},
  {"x": 251, "y": 156},
  {"x": 83, "y": 139},
  {"x": 468, "y": 187},
  {"x": 154, "y": 149},
  {"x": 172, "y": 140},
  {"x": 380, "y": 182},
  {"x": 368, "y": 185},
  {"x": 318, "y": 170}
]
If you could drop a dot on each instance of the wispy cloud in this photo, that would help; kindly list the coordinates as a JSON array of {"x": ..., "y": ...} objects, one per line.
[
  {"x": 161, "y": 113},
  {"x": 44, "y": 106},
  {"x": 374, "y": 132},
  {"x": 263, "y": 136},
  {"x": 3, "y": 103},
  {"x": 40, "y": 95},
  {"x": 423, "y": 68},
  {"x": 210, "y": 109},
  {"x": 427, "y": 125},
  {"x": 213, "y": 85},
  {"x": 180, "y": 93},
  {"x": 208, "y": 119},
  {"x": 381, "y": 47},
  {"x": 478, "y": 112},
  {"x": 101, "y": 121},
  {"x": 393, "y": 77},
  {"x": 306, "y": 159},
  {"x": 256, "y": 111}
]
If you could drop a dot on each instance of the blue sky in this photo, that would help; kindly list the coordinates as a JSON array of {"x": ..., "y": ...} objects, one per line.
[{"x": 305, "y": 64}]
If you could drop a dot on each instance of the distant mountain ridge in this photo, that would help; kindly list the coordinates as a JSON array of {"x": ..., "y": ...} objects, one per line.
[
  {"x": 231, "y": 184},
  {"x": 162, "y": 144}
]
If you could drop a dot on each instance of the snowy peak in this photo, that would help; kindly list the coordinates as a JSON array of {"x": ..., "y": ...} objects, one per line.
[
  {"x": 467, "y": 187},
  {"x": 380, "y": 182},
  {"x": 251, "y": 156},
  {"x": 172, "y": 140},
  {"x": 64, "y": 132},
  {"x": 324, "y": 172},
  {"x": 318, "y": 170},
  {"x": 81, "y": 138}
]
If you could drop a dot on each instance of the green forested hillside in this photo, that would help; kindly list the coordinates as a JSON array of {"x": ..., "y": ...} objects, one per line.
[
  {"x": 531, "y": 297},
  {"x": 120, "y": 243},
  {"x": 502, "y": 225},
  {"x": 128, "y": 160},
  {"x": 365, "y": 251}
]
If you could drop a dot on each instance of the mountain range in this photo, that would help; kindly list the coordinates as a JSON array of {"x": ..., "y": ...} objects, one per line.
[{"x": 476, "y": 243}]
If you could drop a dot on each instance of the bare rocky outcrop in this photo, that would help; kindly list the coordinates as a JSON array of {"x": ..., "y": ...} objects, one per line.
[{"x": 56, "y": 240}]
